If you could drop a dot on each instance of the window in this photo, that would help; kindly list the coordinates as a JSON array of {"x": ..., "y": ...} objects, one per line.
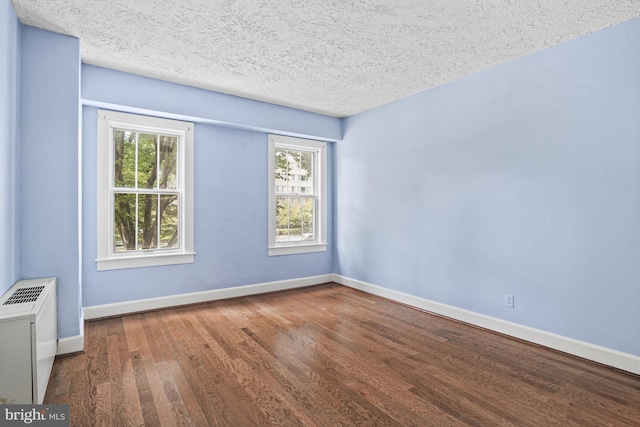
[
  {"x": 145, "y": 191},
  {"x": 297, "y": 219}
]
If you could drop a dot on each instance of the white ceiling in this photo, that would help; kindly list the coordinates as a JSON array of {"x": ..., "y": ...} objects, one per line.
[{"x": 336, "y": 57}]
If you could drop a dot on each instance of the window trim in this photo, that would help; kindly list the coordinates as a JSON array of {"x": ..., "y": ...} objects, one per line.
[
  {"x": 106, "y": 258},
  {"x": 320, "y": 172}
]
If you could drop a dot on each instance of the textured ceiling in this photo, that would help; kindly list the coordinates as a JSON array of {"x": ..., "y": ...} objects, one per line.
[{"x": 336, "y": 57}]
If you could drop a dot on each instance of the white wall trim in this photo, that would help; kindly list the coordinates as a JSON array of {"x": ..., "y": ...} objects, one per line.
[
  {"x": 72, "y": 344},
  {"x": 208, "y": 121},
  {"x": 126, "y": 307},
  {"x": 606, "y": 356}
]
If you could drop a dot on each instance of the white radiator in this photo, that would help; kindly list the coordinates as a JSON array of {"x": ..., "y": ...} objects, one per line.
[{"x": 28, "y": 340}]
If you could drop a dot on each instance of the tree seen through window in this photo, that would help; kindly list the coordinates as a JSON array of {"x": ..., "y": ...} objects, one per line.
[{"x": 146, "y": 199}]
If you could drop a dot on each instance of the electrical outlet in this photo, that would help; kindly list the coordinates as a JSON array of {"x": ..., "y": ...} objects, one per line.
[{"x": 508, "y": 301}]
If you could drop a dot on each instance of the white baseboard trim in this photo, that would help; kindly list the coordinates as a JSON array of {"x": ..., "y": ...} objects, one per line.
[
  {"x": 68, "y": 345},
  {"x": 126, "y": 307},
  {"x": 606, "y": 356}
]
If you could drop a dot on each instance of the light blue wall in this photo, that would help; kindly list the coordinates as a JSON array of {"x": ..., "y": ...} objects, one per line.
[
  {"x": 230, "y": 191},
  {"x": 48, "y": 151},
  {"x": 9, "y": 102},
  {"x": 522, "y": 179}
]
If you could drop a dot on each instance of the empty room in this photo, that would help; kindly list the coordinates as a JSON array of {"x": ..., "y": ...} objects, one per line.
[{"x": 319, "y": 213}]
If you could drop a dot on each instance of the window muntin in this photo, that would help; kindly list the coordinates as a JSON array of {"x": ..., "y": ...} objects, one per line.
[
  {"x": 145, "y": 194},
  {"x": 297, "y": 197}
]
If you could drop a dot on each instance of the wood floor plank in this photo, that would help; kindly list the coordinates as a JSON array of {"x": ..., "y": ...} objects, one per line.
[
  {"x": 153, "y": 369},
  {"x": 99, "y": 376},
  {"x": 168, "y": 369},
  {"x": 116, "y": 384},
  {"x": 327, "y": 355},
  {"x": 145, "y": 395}
]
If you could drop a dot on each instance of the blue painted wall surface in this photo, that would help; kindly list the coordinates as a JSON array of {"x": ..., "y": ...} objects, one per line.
[
  {"x": 522, "y": 179},
  {"x": 48, "y": 150},
  {"x": 9, "y": 102},
  {"x": 230, "y": 210}
]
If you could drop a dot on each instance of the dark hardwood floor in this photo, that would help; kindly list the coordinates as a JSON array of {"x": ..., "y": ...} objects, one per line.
[{"x": 324, "y": 356}]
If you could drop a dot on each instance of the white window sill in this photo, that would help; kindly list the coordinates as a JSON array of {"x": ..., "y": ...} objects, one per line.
[
  {"x": 144, "y": 260},
  {"x": 297, "y": 249}
]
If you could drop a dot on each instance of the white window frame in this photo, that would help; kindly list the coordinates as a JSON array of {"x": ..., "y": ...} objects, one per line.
[
  {"x": 107, "y": 258},
  {"x": 320, "y": 191}
]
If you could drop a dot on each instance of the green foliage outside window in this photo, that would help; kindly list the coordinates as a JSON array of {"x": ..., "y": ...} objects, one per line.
[
  {"x": 294, "y": 176},
  {"x": 146, "y": 218}
]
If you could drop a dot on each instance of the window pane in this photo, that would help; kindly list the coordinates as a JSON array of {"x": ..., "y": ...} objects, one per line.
[
  {"x": 306, "y": 166},
  {"x": 147, "y": 167},
  {"x": 294, "y": 219},
  {"x": 124, "y": 158},
  {"x": 169, "y": 237},
  {"x": 147, "y": 225},
  {"x": 281, "y": 172},
  {"x": 308, "y": 230},
  {"x": 168, "y": 161},
  {"x": 293, "y": 166},
  {"x": 282, "y": 219},
  {"x": 124, "y": 227}
]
